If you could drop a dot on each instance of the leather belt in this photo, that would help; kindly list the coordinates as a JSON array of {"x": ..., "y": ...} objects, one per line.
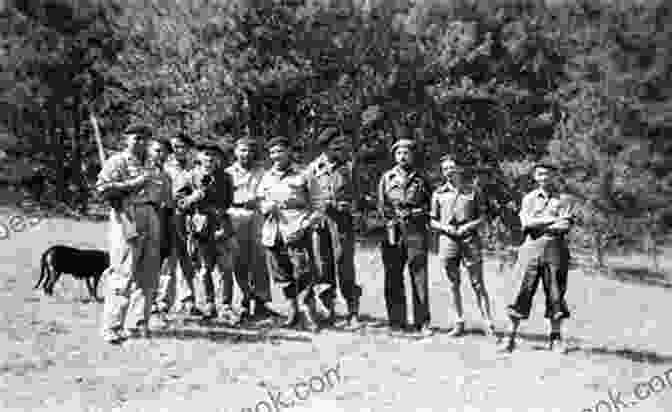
[
  {"x": 242, "y": 206},
  {"x": 155, "y": 205}
]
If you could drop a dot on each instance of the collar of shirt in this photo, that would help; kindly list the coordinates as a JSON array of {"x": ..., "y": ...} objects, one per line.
[
  {"x": 291, "y": 169},
  {"x": 406, "y": 175}
]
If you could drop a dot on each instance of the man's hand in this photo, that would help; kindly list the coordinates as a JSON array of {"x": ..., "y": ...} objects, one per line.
[
  {"x": 139, "y": 181},
  {"x": 267, "y": 206},
  {"x": 450, "y": 230},
  {"x": 344, "y": 207},
  {"x": 562, "y": 224}
]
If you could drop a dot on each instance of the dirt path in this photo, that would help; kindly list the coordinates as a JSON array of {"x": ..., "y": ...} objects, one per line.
[{"x": 52, "y": 358}]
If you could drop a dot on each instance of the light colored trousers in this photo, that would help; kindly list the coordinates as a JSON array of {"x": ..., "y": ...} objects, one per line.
[{"x": 133, "y": 275}]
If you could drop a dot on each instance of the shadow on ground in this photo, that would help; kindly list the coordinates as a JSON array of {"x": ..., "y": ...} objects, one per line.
[{"x": 637, "y": 275}]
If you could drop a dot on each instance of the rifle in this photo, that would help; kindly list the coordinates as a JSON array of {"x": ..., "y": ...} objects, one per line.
[{"x": 128, "y": 226}]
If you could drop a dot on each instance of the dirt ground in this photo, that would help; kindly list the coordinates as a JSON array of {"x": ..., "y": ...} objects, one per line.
[{"x": 53, "y": 359}]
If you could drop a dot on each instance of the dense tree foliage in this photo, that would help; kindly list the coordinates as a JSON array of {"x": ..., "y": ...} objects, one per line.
[{"x": 501, "y": 83}]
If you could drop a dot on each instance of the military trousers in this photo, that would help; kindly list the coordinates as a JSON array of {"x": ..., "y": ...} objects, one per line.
[
  {"x": 334, "y": 249},
  {"x": 545, "y": 259},
  {"x": 133, "y": 275},
  {"x": 177, "y": 274},
  {"x": 249, "y": 264},
  {"x": 409, "y": 250},
  {"x": 292, "y": 267},
  {"x": 215, "y": 262}
]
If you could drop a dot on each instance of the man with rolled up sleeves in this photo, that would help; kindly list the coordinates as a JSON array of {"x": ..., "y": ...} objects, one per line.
[{"x": 547, "y": 216}]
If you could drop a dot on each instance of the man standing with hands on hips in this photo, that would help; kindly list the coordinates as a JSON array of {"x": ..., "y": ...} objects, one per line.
[{"x": 403, "y": 200}]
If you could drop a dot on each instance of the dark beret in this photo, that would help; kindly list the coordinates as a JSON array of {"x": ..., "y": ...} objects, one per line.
[
  {"x": 183, "y": 137},
  {"x": 544, "y": 165},
  {"x": 139, "y": 129},
  {"x": 246, "y": 141},
  {"x": 411, "y": 144},
  {"x": 211, "y": 147},
  {"x": 278, "y": 141},
  {"x": 327, "y": 136}
]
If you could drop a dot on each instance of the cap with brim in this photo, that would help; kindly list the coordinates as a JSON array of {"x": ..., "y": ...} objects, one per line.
[
  {"x": 138, "y": 129},
  {"x": 407, "y": 143},
  {"x": 278, "y": 141}
]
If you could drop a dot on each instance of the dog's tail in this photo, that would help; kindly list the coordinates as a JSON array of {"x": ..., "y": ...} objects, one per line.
[{"x": 43, "y": 268}]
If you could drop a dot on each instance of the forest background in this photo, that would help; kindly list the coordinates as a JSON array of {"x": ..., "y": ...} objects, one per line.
[{"x": 586, "y": 84}]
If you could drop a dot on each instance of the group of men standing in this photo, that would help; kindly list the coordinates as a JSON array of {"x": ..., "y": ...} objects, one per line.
[{"x": 296, "y": 225}]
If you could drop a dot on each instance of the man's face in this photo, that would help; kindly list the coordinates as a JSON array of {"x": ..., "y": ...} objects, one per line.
[
  {"x": 543, "y": 176},
  {"x": 179, "y": 149},
  {"x": 279, "y": 155},
  {"x": 244, "y": 154},
  {"x": 403, "y": 156},
  {"x": 157, "y": 152},
  {"x": 449, "y": 170},
  {"x": 136, "y": 143},
  {"x": 337, "y": 153},
  {"x": 207, "y": 160}
]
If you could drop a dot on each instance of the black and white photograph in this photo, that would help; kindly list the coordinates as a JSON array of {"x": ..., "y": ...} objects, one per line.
[{"x": 335, "y": 205}]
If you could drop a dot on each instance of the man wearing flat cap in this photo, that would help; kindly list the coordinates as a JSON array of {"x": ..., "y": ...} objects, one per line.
[
  {"x": 285, "y": 205},
  {"x": 134, "y": 257},
  {"x": 205, "y": 199},
  {"x": 403, "y": 200},
  {"x": 333, "y": 195},
  {"x": 547, "y": 216},
  {"x": 249, "y": 263}
]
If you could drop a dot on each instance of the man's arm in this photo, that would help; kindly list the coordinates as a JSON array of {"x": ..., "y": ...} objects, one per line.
[{"x": 528, "y": 221}]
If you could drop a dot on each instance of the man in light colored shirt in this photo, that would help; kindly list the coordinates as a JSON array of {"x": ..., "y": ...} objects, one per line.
[
  {"x": 285, "y": 205},
  {"x": 456, "y": 213},
  {"x": 179, "y": 270},
  {"x": 546, "y": 216},
  {"x": 133, "y": 274},
  {"x": 249, "y": 263}
]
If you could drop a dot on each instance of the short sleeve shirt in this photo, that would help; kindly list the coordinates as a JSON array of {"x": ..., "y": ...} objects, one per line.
[
  {"x": 245, "y": 182},
  {"x": 450, "y": 206},
  {"x": 400, "y": 190},
  {"x": 121, "y": 167}
]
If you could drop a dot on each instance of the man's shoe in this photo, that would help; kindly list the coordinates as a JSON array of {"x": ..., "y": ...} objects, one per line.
[
  {"x": 113, "y": 337},
  {"x": 309, "y": 319},
  {"x": 262, "y": 311},
  {"x": 353, "y": 322},
  {"x": 457, "y": 330},
  {"x": 558, "y": 346},
  {"x": 508, "y": 346},
  {"x": 136, "y": 333},
  {"x": 227, "y": 315},
  {"x": 491, "y": 333},
  {"x": 425, "y": 330},
  {"x": 292, "y": 316}
]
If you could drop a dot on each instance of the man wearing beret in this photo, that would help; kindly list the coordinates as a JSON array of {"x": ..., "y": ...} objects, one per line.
[
  {"x": 249, "y": 263},
  {"x": 333, "y": 194},
  {"x": 403, "y": 200},
  {"x": 546, "y": 216},
  {"x": 285, "y": 205},
  {"x": 457, "y": 211},
  {"x": 205, "y": 199},
  {"x": 134, "y": 257}
]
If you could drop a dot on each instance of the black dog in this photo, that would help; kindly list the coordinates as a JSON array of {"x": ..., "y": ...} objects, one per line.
[{"x": 86, "y": 264}]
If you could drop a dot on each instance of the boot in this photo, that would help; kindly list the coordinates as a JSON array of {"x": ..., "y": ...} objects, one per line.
[
  {"x": 353, "y": 316},
  {"x": 293, "y": 316}
]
